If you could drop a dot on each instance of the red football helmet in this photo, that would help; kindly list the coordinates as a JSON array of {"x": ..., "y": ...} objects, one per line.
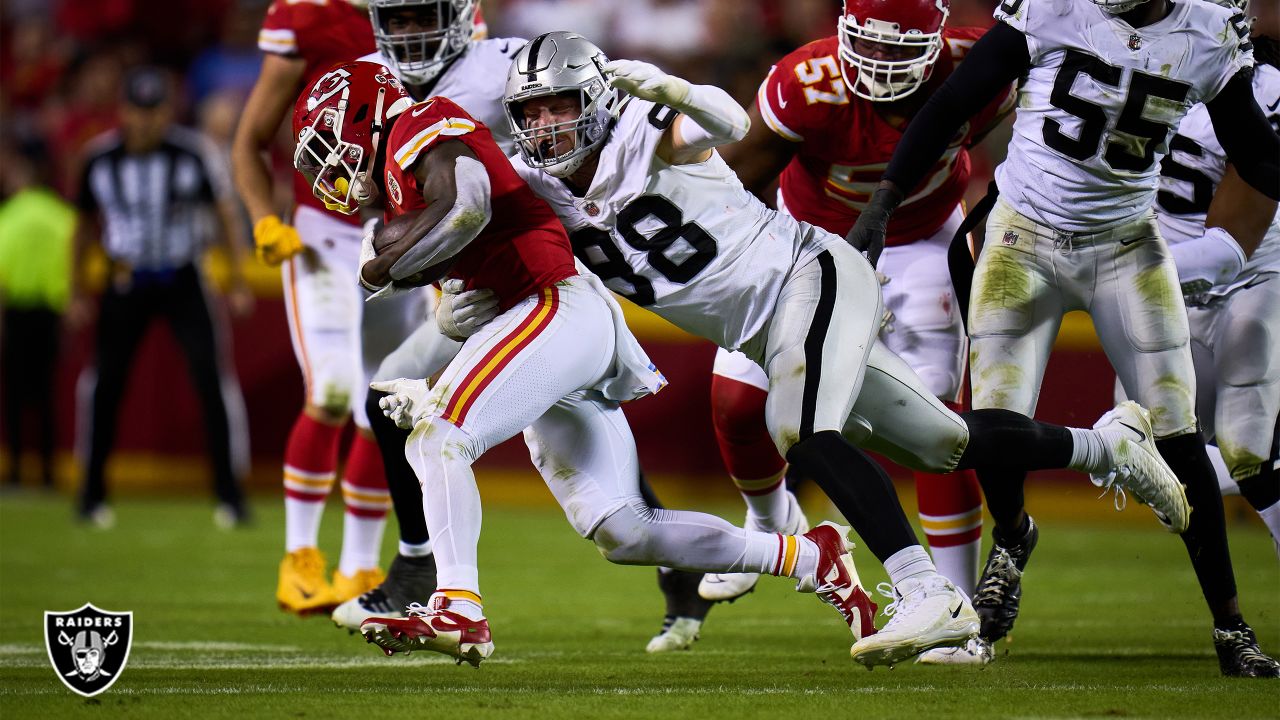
[
  {"x": 338, "y": 122},
  {"x": 888, "y": 47}
]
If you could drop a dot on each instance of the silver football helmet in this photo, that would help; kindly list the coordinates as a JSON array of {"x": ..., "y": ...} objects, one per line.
[
  {"x": 552, "y": 64},
  {"x": 422, "y": 44},
  {"x": 1115, "y": 7}
]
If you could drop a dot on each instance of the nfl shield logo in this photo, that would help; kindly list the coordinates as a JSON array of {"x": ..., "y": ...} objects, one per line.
[
  {"x": 1135, "y": 42},
  {"x": 1010, "y": 238},
  {"x": 88, "y": 647}
]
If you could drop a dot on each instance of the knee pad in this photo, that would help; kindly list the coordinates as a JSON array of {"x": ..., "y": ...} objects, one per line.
[
  {"x": 434, "y": 437},
  {"x": 331, "y": 386},
  {"x": 623, "y": 537},
  {"x": 1243, "y": 355},
  {"x": 737, "y": 412}
]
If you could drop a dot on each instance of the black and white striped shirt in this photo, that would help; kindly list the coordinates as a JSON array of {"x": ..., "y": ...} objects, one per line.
[{"x": 157, "y": 207}]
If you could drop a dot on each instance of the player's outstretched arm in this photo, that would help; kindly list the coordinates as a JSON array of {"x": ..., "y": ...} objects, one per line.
[
  {"x": 998, "y": 58},
  {"x": 455, "y": 186},
  {"x": 759, "y": 158},
  {"x": 1251, "y": 143},
  {"x": 273, "y": 95},
  {"x": 709, "y": 116},
  {"x": 1238, "y": 219}
]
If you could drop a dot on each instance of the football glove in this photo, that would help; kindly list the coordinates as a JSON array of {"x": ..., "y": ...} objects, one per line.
[
  {"x": 647, "y": 82},
  {"x": 274, "y": 242},
  {"x": 868, "y": 233},
  {"x": 367, "y": 253},
  {"x": 460, "y": 314},
  {"x": 407, "y": 399}
]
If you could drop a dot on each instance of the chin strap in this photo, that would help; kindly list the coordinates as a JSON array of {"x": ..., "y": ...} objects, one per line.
[{"x": 363, "y": 188}]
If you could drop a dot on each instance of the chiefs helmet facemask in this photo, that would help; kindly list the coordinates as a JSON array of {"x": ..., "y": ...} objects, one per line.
[
  {"x": 338, "y": 123},
  {"x": 888, "y": 47}
]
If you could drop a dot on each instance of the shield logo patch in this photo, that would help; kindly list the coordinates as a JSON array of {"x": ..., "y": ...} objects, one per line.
[{"x": 88, "y": 647}]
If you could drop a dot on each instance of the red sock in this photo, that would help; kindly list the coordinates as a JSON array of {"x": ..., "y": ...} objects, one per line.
[
  {"x": 364, "y": 484},
  {"x": 310, "y": 459},
  {"x": 737, "y": 411},
  {"x": 951, "y": 515}
]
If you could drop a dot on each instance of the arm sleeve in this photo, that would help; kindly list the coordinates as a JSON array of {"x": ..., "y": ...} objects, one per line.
[
  {"x": 470, "y": 213},
  {"x": 717, "y": 119},
  {"x": 1246, "y": 136},
  {"x": 997, "y": 58}
]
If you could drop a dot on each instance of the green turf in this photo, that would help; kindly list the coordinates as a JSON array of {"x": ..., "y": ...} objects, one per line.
[{"x": 1112, "y": 625}]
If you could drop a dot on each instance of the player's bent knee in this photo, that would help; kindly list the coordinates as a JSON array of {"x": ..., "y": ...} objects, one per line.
[{"x": 625, "y": 538}]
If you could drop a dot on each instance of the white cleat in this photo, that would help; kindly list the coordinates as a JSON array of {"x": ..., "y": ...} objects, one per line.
[
  {"x": 1138, "y": 467},
  {"x": 727, "y": 587},
  {"x": 355, "y": 611},
  {"x": 927, "y": 613},
  {"x": 975, "y": 652},
  {"x": 679, "y": 635}
]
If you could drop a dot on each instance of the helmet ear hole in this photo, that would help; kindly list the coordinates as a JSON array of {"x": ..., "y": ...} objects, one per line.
[{"x": 361, "y": 113}]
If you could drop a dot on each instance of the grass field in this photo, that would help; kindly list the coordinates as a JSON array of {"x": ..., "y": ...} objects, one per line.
[{"x": 1112, "y": 626}]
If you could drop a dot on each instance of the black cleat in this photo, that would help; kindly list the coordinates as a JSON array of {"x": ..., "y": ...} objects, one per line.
[
  {"x": 409, "y": 580},
  {"x": 1240, "y": 656},
  {"x": 1000, "y": 586}
]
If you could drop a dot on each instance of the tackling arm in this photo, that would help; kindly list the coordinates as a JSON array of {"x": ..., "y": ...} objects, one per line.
[
  {"x": 759, "y": 158},
  {"x": 1251, "y": 143},
  {"x": 455, "y": 185}
]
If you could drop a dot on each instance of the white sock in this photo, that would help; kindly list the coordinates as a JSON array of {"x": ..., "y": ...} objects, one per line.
[
  {"x": 767, "y": 509},
  {"x": 467, "y": 609},
  {"x": 1271, "y": 516},
  {"x": 302, "y": 522},
  {"x": 1225, "y": 483},
  {"x": 409, "y": 550},
  {"x": 361, "y": 541},
  {"x": 806, "y": 557},
  {"x": 959, "y": 564},
  {"x": 1088, "y": 452},
  {"x": 907, "y": 563}
]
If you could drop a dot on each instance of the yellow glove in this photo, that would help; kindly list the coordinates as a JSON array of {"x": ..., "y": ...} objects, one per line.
[{"x": 274, "y": 241}]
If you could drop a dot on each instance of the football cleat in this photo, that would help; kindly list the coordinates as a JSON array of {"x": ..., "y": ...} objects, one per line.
[
  {"x": 678, "y": 633},
  {"x": 1000, "y": 586},
  {"x": 727, "y": 587},
  {"x": 432, "y": 627},
  {"x": 1138, "y": 468},
  {"x": 1240, "y": 656},
  {"x": 347, "y": 587},
  {"x": 975, "y": 652},
  {"x": 926, "y": 613},
  {"x": 836, "y": 581},
  {"x": 409, "y": 580},
  {"x": 302, "y": 588},
  {"x": 685, "y": 611}
]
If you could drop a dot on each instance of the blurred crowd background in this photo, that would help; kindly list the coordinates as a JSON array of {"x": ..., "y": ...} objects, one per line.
[{"x": 61, "y": 67}]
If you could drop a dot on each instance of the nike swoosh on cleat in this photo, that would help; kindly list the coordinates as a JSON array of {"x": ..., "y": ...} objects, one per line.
[
  {"x": 305, "y": 595},
  {"x": 1142, "y": 437},
  {"x": 1274, "y": 105},
  {"x": 956, "y": 613}
]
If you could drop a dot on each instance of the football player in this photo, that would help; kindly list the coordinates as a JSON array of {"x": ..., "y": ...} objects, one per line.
[
  {"x": 825, "y": 121},
  {"x": 1224, "y": 237},
  {"x": 558, "y": 359},
  {"x": 433, "y": 50},
  {"x": 654, "y": 211},
  {"x": 1105, "y": 83},
  {"x": 336, "y": 342}
]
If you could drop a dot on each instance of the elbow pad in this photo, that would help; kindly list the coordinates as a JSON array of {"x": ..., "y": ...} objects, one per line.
[{"x": 472, "y": 209}]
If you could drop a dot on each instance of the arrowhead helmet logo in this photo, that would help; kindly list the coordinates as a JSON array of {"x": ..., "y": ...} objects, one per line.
[{"x": 88, "y": 647}]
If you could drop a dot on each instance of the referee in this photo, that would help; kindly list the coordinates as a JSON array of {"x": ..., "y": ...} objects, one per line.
[{"x": 152, "y": 194}]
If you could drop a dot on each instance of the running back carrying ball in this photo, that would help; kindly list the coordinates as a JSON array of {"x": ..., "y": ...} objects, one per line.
[{"x": 392, "y": 232}]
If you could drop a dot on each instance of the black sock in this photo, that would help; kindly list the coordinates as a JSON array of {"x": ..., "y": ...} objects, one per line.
[
  {"x": 1206, "y": 538},
  {"x": 859, "y": 488},
  {"x": 402, "y": 483},
  {"x": 1003, "y": 491},
  {"x": 1006, "y": 440},
  {"x": 1016, "y": 535},
  {"x": 1261, "y": 489}
]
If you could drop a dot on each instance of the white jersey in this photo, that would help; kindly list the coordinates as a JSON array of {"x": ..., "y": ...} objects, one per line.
[
  {"x": 476, "y": 80},
  {"x": 685, "y": 241},
  {"x": 1098, "y": 105},
  {"x": 1190, "y": 173}
]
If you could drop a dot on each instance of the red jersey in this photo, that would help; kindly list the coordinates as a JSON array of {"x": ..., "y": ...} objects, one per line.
[
  {"x": 845, "y": 146},
  {"x": 322, "y": 33},
  {"x": 524, "y": 247}
]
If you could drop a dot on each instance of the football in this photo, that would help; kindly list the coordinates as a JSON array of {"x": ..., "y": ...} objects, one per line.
[{"x": 392, "y": 232}]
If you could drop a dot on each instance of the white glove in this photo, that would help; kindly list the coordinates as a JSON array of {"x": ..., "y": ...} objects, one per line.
[
  {"x": 1214, "y": 258},
  {"x": 647, "y": 82},
  {"x": 367, "y": 252},
  {"x": 407, "y": 399},
  {"x": 460, "y": 314}
]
